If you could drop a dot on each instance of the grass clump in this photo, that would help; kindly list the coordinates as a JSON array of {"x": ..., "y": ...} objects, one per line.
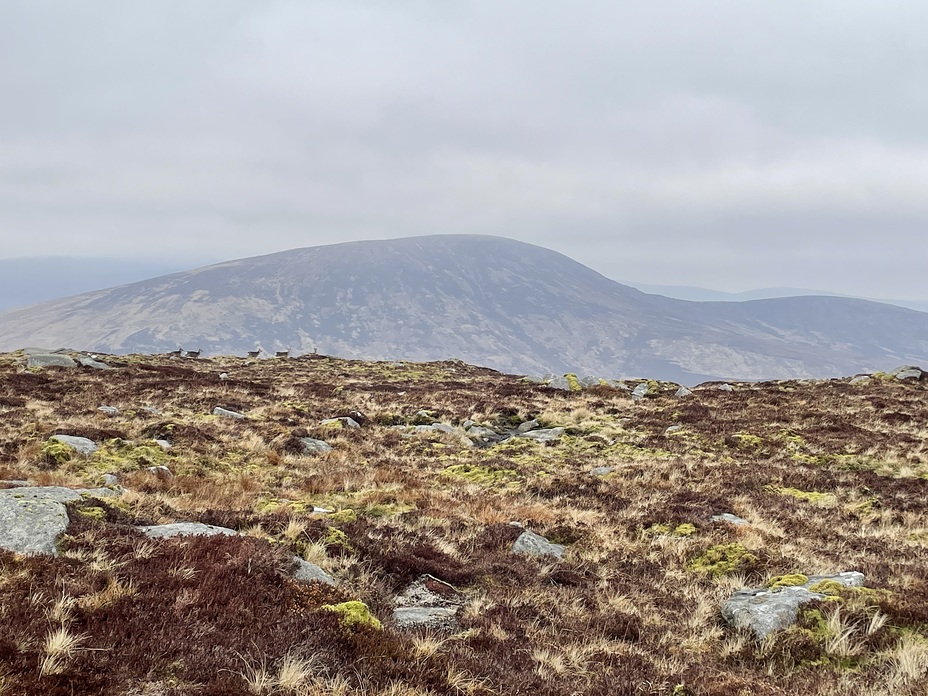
[{"x": 809, "y": 496}]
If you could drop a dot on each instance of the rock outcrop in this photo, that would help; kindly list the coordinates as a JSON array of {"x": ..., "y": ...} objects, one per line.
[{"x": 31, "y": 518}]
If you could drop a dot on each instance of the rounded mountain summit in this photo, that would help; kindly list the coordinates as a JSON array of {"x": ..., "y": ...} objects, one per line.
[{"x": 490, "y": 301}]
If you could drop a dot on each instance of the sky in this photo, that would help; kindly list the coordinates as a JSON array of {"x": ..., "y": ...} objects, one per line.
[{"x": 729, "y": 144}]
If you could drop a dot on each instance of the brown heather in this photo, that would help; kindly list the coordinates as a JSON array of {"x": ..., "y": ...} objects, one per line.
[{"x": 831, "y": 477}]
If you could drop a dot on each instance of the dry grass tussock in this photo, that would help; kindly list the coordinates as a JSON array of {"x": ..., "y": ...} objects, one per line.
[{"x": 829, "y": 476}]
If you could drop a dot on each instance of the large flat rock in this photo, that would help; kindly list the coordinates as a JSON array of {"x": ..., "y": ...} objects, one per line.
[
  {"x": 175, "y": 529},
  {"x": 31, "y": 518},
  {"x": 764, "y": 611}
]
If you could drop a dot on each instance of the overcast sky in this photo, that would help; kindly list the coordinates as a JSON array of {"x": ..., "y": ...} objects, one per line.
[{"x": 728, "y": 144}]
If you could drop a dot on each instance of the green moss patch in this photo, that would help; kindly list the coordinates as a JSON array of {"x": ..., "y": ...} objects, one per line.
[
  {"x": 723, "y": 559},
  {"x": 354, "y": 616}
]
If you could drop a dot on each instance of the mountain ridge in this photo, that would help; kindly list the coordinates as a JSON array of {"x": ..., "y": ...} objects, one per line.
[{"x": 509, "y": 305}]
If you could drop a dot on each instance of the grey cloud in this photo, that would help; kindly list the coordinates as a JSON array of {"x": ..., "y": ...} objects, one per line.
[{"x": 726, "y": 143}]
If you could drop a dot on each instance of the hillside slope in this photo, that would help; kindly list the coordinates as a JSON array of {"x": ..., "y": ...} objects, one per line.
[
  {"x": 661, "y": 509},
  {"x": 492, "y": 301}
]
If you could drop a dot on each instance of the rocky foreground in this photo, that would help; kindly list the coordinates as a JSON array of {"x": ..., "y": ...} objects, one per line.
[{"x": 323, "y": 526}]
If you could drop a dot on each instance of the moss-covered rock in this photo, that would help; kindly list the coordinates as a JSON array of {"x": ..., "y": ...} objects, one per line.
[
  {"x": 55, "y": 453},
  {"x": 354, "y": 616},
  {"x": 790, "y": 580}
]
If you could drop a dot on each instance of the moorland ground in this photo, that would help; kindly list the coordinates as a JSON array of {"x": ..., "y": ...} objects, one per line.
[{"x": 830, "y": 477}]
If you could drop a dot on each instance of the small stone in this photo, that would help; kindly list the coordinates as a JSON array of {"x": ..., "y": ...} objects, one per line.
[
  {"x": 81, "y": 445},
  {"x": 859, "y": 379},
  {"x": 175, "y": 529},
  {"x": 163, "y": 444},
  {"x": 152, "y": 410},
  {"x": 161, "y": 471},
  {"x": 223, "y": 375},
  {"x": 725, "y": 387},
  {"x": 321, "y": 510},
  {"x": 673, "y": 429},
  {"x": 527, "y": 425},
  {"x": 682, "y": 392},
  {"x": 532, "y": 544},
  {"x": 226, "y": 413},
  {"x": 343, "y": 422},
  {"x": 110, "y": 480},
  {"x": 601, "y": 471},
  {"x": 730, "y": 519},
  {"x": 108, "y": 410},
  {"x": 467, "y": 424}
]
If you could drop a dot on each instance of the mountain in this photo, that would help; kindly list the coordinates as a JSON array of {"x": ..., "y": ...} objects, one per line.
[
  {"x": 688, "y": 292},
  {"x": 488, "y": 300},
  {"x": 61, "y": 276}
]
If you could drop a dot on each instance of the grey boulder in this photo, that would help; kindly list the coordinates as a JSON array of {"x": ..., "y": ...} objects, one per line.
[
  {"x": 87, "y": 361},
  {"x": 764, "y": 611},
  {"x": 310, "y": 445},
  {"x": 531, "y": 544},
  {"x": 907, "y": 372},
  {"x": 543, "y": 435},
  {"x": 559, "y": 383},
  {"x": 432, "y": 618},
  {"x": 428, "y": 603},
  {"x": 640, "y": 391},
  {"x": 682, "y": 392},
  {"x": 81, "y": 445},
  {"x": 49, "y": 360},
  {"x": 31, "y": 518},
  {"x": 304, "y": 571}
]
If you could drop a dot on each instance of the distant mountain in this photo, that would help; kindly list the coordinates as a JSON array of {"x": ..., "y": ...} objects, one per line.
[
  {"x": 688, "y": 292},
  {"x": 488, "y": 300},
  {"x": 26, "y": 281}
]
